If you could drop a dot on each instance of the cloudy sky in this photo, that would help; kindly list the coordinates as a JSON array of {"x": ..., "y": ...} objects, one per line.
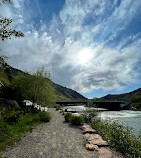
[{"x": 91, "y": 46}]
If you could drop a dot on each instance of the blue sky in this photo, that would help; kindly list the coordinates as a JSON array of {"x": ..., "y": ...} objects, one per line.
[{"x": 93, "y": 46}]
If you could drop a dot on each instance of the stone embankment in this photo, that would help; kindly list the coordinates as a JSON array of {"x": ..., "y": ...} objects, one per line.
[{"x": 95, "y": 142}]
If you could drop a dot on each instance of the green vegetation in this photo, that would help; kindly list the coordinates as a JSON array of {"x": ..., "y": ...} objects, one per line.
[
  {"x": 14, "y": 123},
  {"x": 136, "y": 102},
  {"x": 3, "y": 76},
  {"x": 118, "y": 136},
  {"x": 90, "y": 103},
  {"x": 44, "y": 116},
  {"x": 88, "y": 115},
  {"x": 74, "y": 120},
  {"x": 57, "y": 107},
  {"x": 67, "y": 116},
  {"x": 36, "y": 87},
  {"x": 5, "y": 31},
  {"x": 132, "y": 98},
  {"x": 62, "y": 112}
]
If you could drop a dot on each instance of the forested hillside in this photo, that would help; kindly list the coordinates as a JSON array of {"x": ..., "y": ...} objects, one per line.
[
  {"x": 60, "y": 91},
  {"x": 134, "y": 98}
]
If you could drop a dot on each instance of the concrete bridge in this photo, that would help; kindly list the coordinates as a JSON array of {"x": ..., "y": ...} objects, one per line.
[{"x": 110, "y": 105}]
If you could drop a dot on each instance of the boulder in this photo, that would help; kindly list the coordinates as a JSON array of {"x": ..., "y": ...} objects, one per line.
[
  {"x": 98, "y": 142},
  {"x": 92, "y": 136},
  {"x": 89, "y": 130},
  {"x": 91, "y": 147},
  {"x": 84, "y": 126}
]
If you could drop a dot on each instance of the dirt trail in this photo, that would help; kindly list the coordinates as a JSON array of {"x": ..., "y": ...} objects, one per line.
[{"x": 55, "y": 139}]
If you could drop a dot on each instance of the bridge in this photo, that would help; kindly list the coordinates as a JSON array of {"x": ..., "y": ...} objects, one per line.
[{"x": 110, "y": 105}]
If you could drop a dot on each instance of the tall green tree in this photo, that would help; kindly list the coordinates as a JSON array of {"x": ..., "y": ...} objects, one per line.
[{"x": 36, "y": 87}]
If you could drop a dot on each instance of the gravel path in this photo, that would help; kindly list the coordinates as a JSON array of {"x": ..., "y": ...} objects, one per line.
[{"x": 55, "y": 139}]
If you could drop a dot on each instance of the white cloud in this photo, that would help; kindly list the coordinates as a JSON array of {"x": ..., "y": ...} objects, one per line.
[{"x": 74, "y": 45}]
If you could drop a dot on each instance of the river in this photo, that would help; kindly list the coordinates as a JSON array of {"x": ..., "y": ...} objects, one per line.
[{"x": 129, "y": 118}]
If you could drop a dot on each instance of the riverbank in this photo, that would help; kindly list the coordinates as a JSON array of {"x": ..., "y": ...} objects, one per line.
[
  {"x": 123, "y": 116},
  {"x": 56, "y": 139},
  {"x": 118, "y": 135}
]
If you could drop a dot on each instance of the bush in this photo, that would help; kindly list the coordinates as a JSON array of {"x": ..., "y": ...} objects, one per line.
[
  {"x": 31, "y": 109},
  {"x": 58, "y": 107},
  {"x": 76, "y": 120},
  {"x": 88, "y": 115},
  {"x": 90, "y": 103},
  {"x": 44, "y": 116},
  {"x": 67, "y": 116},
  {"x": 118, "y": 136},
  {"x": 11, "y": 117}
]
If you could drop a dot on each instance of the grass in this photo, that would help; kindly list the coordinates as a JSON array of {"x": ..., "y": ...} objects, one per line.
[
  {"x": 14, "y": 125},
  {"x": 44, "y": 116},
  {"x": 119, "y": 137}
]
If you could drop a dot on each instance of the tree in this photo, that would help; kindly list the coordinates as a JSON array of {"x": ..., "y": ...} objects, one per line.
[
  {"x": 36, "y": 87},
  {"x": 5, "y": 31}
]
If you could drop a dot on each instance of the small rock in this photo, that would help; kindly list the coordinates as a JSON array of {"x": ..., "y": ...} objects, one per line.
[
  {"x": 89, "y": 130},
  {"x": 99, "y": 142},
  {"x": 91, "y": 147},
  {"x": 84, "y": 126}
]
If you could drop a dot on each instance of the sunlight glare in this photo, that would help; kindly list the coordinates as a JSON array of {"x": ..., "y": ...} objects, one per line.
[{"x": 84, "y": 56}]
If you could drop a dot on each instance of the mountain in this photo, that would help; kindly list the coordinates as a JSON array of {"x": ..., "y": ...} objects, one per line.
[
  {"x": 62, "y": 93},
  {"x": 68, "y": 93},
  {"x": 134, "y": 98},
  {"x": 124, "y": 96}
]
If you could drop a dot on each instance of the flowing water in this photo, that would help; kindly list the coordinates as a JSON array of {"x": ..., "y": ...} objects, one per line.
[{"x": 129, "y": 118}]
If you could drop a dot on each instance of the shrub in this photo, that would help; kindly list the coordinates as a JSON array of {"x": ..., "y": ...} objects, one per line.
[
  {"x": 12, "y": 117},
  {"x": 88, "y": 115},
  {"x": 58, "y": 107},
  {"x": 31, "y": 109},
  {"x": 118, "y": 136},
  {"x": 90, "y": 103},
  {"x": 76, "y": 120},
  {"x": 61, "y": 111},
  {"x": 44, "y": 116},
  {"x": 67, "y": 116}
]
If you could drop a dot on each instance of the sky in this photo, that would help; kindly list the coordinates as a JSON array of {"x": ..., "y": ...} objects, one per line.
[{"x": 91, "y": 46}]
